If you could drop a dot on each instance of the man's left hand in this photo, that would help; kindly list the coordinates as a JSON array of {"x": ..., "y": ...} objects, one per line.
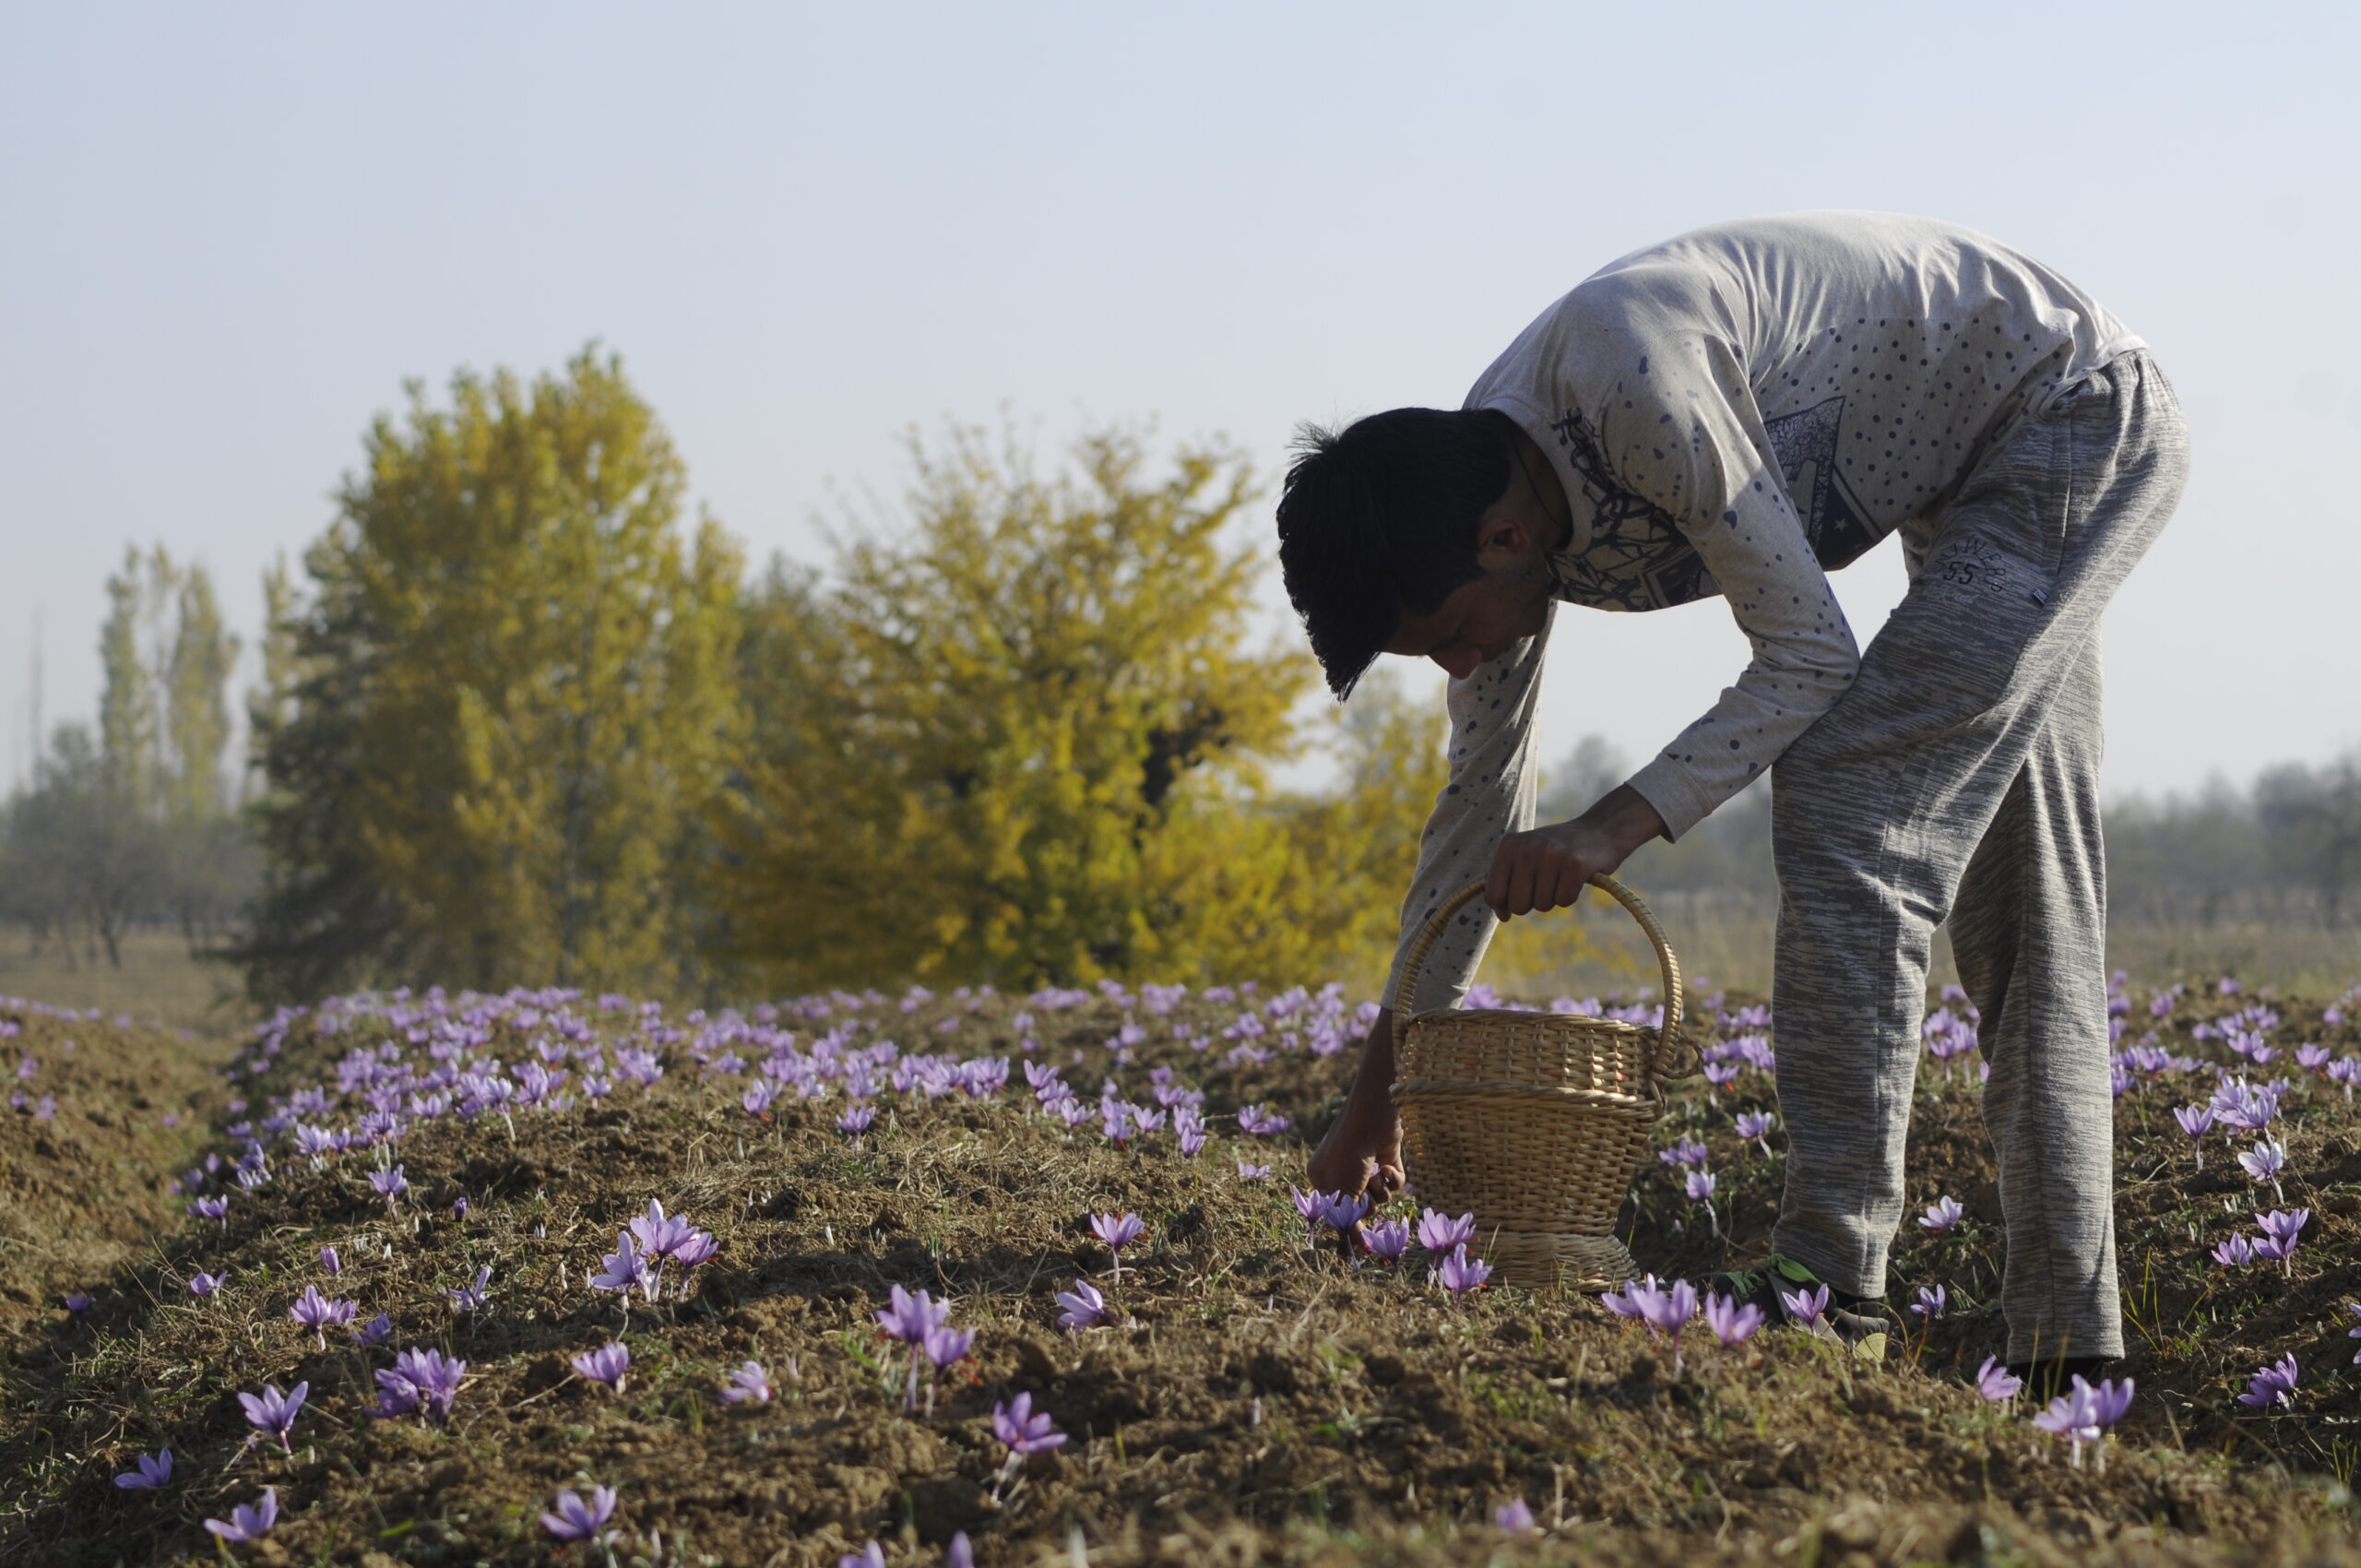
[{"x": 1547, "y": 868}]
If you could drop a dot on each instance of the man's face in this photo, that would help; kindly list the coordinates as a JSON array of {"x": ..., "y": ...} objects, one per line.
[{"x": 1481, "y": 620}]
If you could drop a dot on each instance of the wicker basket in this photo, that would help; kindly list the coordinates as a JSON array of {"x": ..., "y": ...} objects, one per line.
[{"x": 1534, "y": 1122}]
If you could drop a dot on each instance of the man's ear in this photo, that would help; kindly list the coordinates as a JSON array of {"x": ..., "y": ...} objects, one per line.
[{"x": 1501, "y": 539}]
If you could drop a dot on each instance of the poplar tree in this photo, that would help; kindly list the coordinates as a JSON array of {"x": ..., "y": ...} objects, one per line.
[{"x": 490, "y": 719}]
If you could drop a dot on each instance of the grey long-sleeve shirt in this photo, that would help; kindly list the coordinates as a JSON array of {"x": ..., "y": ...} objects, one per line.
[{"x": 1740, "y": 412}]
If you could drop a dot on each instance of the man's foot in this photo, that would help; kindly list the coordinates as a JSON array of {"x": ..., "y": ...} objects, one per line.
[
  {"x": 1858, "y": 1321},
  {"x": 1361, "y": 1152},
  {"x": 2045, "y": 1381}
]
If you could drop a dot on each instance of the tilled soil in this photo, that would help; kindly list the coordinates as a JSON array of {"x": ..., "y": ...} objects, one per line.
[{"x": 1257, "y": 1398}]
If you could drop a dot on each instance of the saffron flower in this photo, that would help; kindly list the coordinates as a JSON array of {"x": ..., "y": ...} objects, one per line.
[
  {"x": 273, "y": 1412},
  {"x": 206, "y": 1284},
  {"x": 2196, "y": 1120},
  {"x": 249, "y": 1522},
  {"x": 1996, "y": 1382},
  {"x": 1387, "y": 1239},
  {"x": 391, "y": 1184},
  {"x": 622, "y": 1269},
  {"x": 1085, "y": 1307},
  {"x": 870, "y": 1556},
  {"x": 1932, "y": 1302},
  {"x": 1024, "y": 1432},
  {"x": 1699, "y": 1186},
  {"x": 579, "y": 1518},
  {"x": 1459, "y": 1273},
  {"x": 2236, "y": 1252},
  {"x": 959, "y": 1553},
  {"x": 1343, "y": 1212},
  {"x": 1249, "y": 1171},
  {"x": 947, "y": 1347},
  {"x": 747, "y": 1384},
  {"x": 149, "y": 1472},
  {"x": 2353, "y": 1308},
  {"x": 376, "y": 1332},
  {"x": 2274, "y": 1384},
  {"x": 1116, "y": 1233},
  {"x": 421, "y": 1379},
  {"x": 610, "y": 1364},
  {"x": 1440, "y": 1234},
  {"x": 1943, "y": 1216},
  {"x": 1260, "y": 1121},
  {"x": 315, "y": 1311},
  {"x": 2280, "y": 1233},
  {"x": 1687, "y": 1152},
  {"x": 1804, "y": 1305},
  {"x": 329, "y": 1261},
  {"x": 2264, "y": 1162},
  {"x": 1732, "y": 1325},
  {"x": 911, "y": 1319},
  {"x": 660, "y": 1237},
  {"x": 856, "y": 1122},
  {"x": 1308, "y": 1206},
  {"x": 468, "y": 1298},
  {"x": 212, "y": 1209},
  {"x": 78, "y": 1301},
  {"x": 1514, "y": 1516},
  {"x": 1754, "y": 1127},
  {"x": 2084, "y": 1414}
]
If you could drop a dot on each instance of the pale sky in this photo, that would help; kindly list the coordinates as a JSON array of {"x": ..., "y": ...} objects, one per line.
[{"x": 229, "y": 232}]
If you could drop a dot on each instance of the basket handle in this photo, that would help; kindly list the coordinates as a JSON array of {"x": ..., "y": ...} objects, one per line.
[{"x": 1407, "y": 986}]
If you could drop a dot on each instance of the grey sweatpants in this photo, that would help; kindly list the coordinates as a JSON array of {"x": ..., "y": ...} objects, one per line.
[{"x": 1958, "y": 778}]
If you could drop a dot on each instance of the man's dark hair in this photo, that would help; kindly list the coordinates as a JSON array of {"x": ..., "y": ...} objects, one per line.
[{"x": 1379, "y": 519}]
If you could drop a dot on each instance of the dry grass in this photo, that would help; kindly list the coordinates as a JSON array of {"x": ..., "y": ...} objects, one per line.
[{"x": 1261, "y": 1400}]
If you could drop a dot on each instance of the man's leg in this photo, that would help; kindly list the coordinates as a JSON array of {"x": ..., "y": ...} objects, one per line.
[
  {"x": 2029, "y": 929},
  {"x": 1879, "y": 806}
]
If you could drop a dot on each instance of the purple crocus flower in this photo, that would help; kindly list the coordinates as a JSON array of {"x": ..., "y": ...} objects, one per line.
[
  {"x": 622, "y": 1269},
  {"x": 1387, "y": 1239},
  {"x": 747, "y": 1384},
  {"x": 1932, "y": 1302},
  {"x": 422, "y": 1379},
  {"x": 212, "y": 1209},
  {"x": 391, "y": 1184},
  {"x": 202, "y": 1284},
  {"x": 910, "y": 1319},
  {"x": 1249, "y": 1171},
  {"x": 2236, "y": 1252},
  {"x": 2084, "y": 1414},
  {"x": 1994, "y": 1383},
  {"x": 2312, "y": 1058},
  {"x": 78, "y": 1301},
  {"x": 610, "y": 1364},
  {"x": 698, "y": 1249},
  {"x": 2196, "y": 1120},
  {"x": 947, "y": 1347},
  {"x": 1943, "y": 1216},
  {"x": 2274, "y": 1384},
  {"x": 149, "y": 1471},
  {"x": 856, "y": 1122},
  {"x": 1687, "y": 1152},
  {"x": 1754, "y": 1127},
  {"x": 1260, "y": 1121},
  {"x": 2280, "y": 1233},
  {"x": 1116, "y": 1233},
  {"x": 1343, "y": 1212},
  {"x": 374, "y": 1333},
  {"x": 1804, "y": 1306},
  {"x": 1438, "y": 1233},
  {"x": 329, "y": 1261},
  {"x": 1699, "y": 1185},
  {"x": 1459, "y": 1273},
  {"x": 1514, "y": 1516},
  {"x": 1085, "y": 1307},
  {"x": 960, "y": 1553},
  {"x": 249, "y": 1522},
  {"x": 1309, "y": 1205},
  {"x": 661, "y": 1236},
  {"x": 1016, "y": 1425},
  {"x": 1732, "y": 1325},
  {"x": 315, "y": 1311},
  {"x": 273, "y": 1412},
  {"x": 2264, "y": 1162},
  {"x": 870, "y": 1556},
  {"x": 470, "y": 1298},
  {"x": 578, "y": 1518}
]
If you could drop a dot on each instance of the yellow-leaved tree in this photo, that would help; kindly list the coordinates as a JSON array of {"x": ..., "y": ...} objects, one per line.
[
  {"x": 504, "y": 704},
  {"x": 1030, "y": 740}
]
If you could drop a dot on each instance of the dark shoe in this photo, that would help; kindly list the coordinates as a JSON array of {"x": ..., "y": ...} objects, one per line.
[
  {"x": 1857, "y": 1321},
  {"x": 2045, "y": 1381}
]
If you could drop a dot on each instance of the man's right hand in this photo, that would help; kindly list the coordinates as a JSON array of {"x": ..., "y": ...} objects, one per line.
[{"x": 1363, "y": 1149}]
